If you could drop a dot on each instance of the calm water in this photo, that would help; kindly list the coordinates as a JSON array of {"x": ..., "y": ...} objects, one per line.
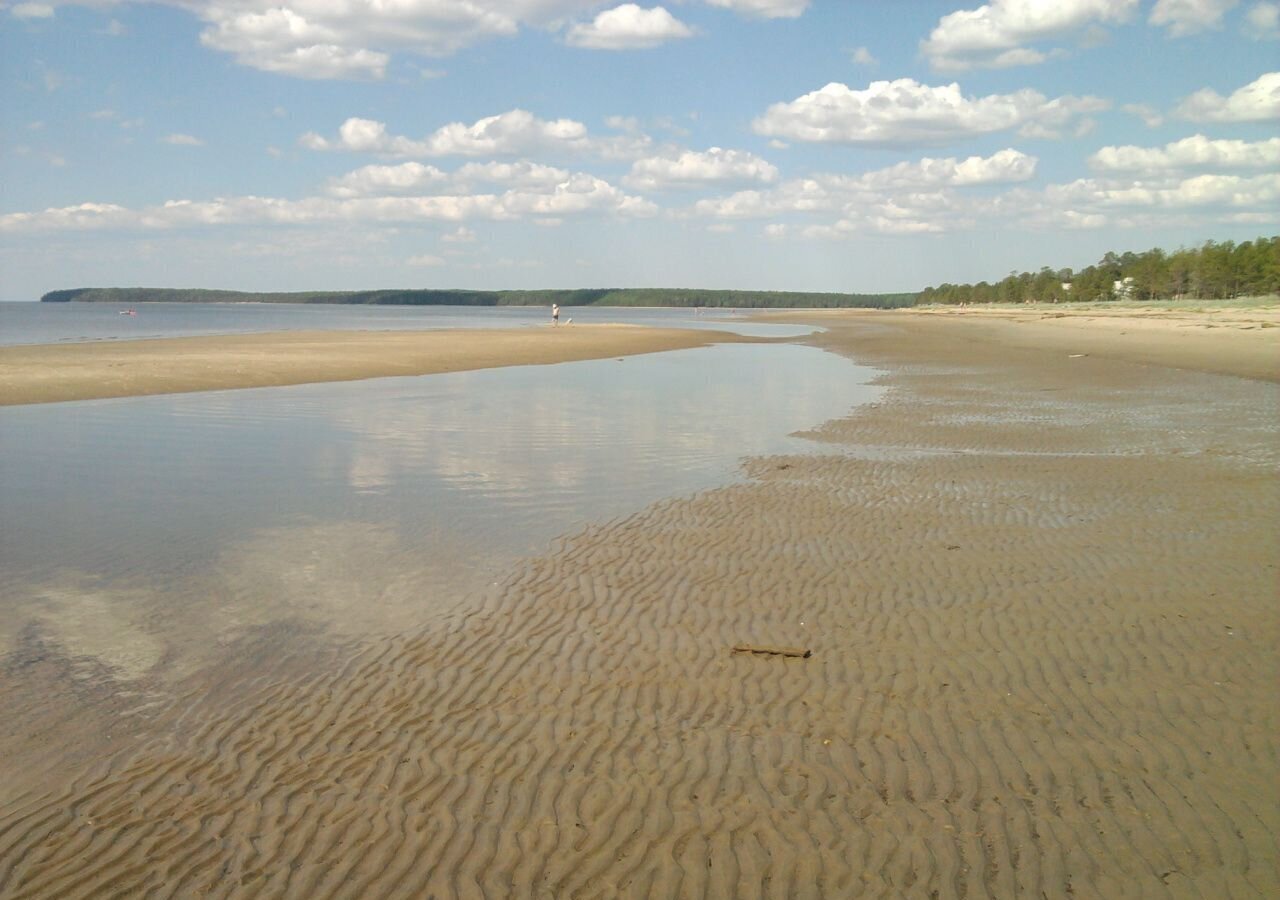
[
  {"x": 50, "y": 323},
  {"x": 150, "y": 534}
]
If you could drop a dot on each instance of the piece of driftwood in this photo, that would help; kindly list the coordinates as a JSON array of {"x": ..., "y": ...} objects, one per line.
[{"x": 803, "y": 652}]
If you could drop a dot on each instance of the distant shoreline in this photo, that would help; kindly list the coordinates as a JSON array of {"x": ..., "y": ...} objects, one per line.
[{"x": 674, "y": 298}]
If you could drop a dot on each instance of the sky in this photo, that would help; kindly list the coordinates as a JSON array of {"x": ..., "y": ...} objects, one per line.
[{"x": 812, "y": 145}]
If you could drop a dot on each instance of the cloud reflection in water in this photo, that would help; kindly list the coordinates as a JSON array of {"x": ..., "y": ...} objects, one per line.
[{"x": 364, "y": 507}]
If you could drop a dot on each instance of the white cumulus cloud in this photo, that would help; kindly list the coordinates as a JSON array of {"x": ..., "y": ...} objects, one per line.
[
  {"x": 404, "y": 178},
  {"x": 522, "y": 174},
  {"x": 1221, "y": 191},
  {"x": 628, "y": 27},
  {"x": 1262, "y": 21},
  {"x": 1076, "y": 220},
  {"x": 461, "y": 235},
  {"x": 578, "y": 194},
  {"x": 1196, "y": 152},
  {"x": 904, "y": 225},
  {"x": 417, "y": 178},
  {"x": 765, "y": 9},
  {"x": 999, "y": 34},
  {"x": 326, "y": 39},
  {"x": 1004, "y": 167},
  {"x": 1258, "y": 101},
  {"x": 863, "y": 57},
  {"x": 81, "y": 215},
  {"x": 1184, "y": 17},
  {"x": 31, "y": 11},
  {"x": 925, "y": 182},
  {"x": 280, "y": 39},
  {"x": 694, "y": 169},
  {"x": 802, "y": 195},
  {"x": 1149, "y": 115},
  {"x": 509, "y": 133},
  {"x": 905, "y": 112},
  {"x": 925, "y": 212},
  {"x": 931, "y": 196},
  {"x": 183, "y": 140}
]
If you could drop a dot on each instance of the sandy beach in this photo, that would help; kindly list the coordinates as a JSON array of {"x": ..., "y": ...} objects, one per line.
[
  {"x": 49, "y": 373},
  {"x": 1038, "y": 585},
  {"x": 1227, "y": 340}
]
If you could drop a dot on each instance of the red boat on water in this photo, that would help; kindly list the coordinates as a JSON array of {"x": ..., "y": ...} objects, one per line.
[{"x": 128, "y": 312}]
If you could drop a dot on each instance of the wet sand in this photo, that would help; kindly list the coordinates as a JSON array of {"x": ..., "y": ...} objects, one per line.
[
  {"x": 86, "y": 371},
  {"x": 1039, "y": 587}
]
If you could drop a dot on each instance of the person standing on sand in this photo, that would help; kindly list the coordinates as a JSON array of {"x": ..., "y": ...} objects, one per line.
[{"x": 555, "y": 314}]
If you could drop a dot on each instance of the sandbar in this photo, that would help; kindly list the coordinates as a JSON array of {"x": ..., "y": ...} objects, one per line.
[{"x": 49, "y": 373}]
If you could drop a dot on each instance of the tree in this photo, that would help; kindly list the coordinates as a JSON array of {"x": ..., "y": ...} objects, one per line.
[
  {"x": 1046, "y": 287},
  {"x": 1179, "y": 274},
  {"x": 1211, "y": 271},
  {"x": 1148, "y": 272}
]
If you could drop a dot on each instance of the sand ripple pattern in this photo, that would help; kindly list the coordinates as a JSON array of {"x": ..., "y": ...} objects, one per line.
[{"x": 1040, "y": 668}]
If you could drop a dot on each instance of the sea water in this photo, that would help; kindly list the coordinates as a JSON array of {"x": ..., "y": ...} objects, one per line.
[{"x": 50, "y": 323}]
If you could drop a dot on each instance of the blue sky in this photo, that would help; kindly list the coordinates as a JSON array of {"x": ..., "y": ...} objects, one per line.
[{"x": 832, "y": 145}]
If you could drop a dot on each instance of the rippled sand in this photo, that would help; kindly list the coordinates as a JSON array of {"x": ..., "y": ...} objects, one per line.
[{"x": 1040, "y": 593}]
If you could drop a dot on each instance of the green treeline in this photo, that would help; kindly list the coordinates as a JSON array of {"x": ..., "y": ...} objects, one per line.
[
  {"x": 432, "y": 297},
  {"x": 1213, "y": 271}
]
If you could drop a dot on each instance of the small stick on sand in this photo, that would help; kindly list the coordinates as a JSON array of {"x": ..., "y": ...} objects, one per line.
[{"x": 802, "y": 652}]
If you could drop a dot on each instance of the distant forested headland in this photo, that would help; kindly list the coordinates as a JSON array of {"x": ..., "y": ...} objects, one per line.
[
  {"x": 1212, "y": 271},
  {"x": 433, "y": 297}
]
